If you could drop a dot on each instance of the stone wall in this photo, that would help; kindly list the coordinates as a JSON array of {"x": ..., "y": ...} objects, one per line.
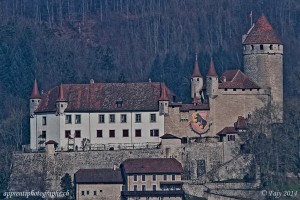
[{"x": 196, "y": 158}]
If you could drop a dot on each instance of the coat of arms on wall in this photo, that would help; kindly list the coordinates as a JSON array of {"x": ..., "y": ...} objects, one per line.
[{"x": 199, "y": 122}]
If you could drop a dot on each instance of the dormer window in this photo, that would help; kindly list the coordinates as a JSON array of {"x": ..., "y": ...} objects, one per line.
[{"x": 119, "y": 103}]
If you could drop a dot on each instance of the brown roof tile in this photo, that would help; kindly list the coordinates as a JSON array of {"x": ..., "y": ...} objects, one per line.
[
  {"x": 196, "y": 72},
  {"x": 103, "y": 96},
  {"x": 262, "y": 33},
  {"x": 241, "y": 123},
  {"x": 163, "y": 96},
  {"x": 35, "y": 91},
  {"x": 212, "y": 71},
  {"x": 152, "y": 166},
  {"x": 235, "y": 79},
  {"x": 105, "y": 176},
  {"x": 51, "y": 142},
  {"x": 227, "y": 130}
]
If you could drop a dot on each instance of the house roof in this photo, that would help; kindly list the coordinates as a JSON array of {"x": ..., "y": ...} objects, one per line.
[
  {"x": 169, "y": 136},
  {"x": 241, "y": 123},
  {"x": 236, "y": 79},
  {"x": 105, "y": 176},
  {"x": 227, "y": 130},
  {"x": 196, "y": 72},
  {"x": 152, "y": 166},
  {"x": 103, "y": 97},
  {"x": 163, "y": 96},
  {"x": 61, "y": 96},
  {"x": 35, "y": 91},
  {"x": 212, "y": 71},
  {"x": 262, "y": 33}
]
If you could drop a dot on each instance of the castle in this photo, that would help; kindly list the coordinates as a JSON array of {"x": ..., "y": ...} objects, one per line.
[{"x": 126, "y": 115}]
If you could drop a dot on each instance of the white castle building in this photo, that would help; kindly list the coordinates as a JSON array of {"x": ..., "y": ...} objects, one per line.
[{"x": 107, "y": 114}]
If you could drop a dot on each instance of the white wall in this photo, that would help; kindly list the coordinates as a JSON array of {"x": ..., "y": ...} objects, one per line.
[{"x": 56, "y": 127}]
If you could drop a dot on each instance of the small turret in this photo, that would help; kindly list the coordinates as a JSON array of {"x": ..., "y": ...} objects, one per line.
[
  {"x": 212, "y": 80},
  {"x": 35, "y": 98},
  {"x": 196, "y": 81},
  {"x": 163, "y": 101},
  {"x": 61, "y": 103}
]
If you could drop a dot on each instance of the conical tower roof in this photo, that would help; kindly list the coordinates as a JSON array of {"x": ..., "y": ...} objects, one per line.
[
  {"x": 196, "y": 72},
  {"x": 163, "y": 96},
  {"x": 35, "y": 91},
  {"x": 262, "y": 33},
  {"x": 212, "y": 71},
  {"x": 61, "y": 93}
]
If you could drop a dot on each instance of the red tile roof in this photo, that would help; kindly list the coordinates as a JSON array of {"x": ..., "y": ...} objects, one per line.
[
  {"x": 96, "y": 176},
  {"x": 152, "y": 166},
  {"x": 241, "y": 123},
  {"x": 227, "y": 130},
  {"x": 103, "y": 96},
  {"x": 262, "y": 33},
  {"x": 212, "y": 72},
  {"x": 35, "y": 91},
  {"x": 163, "y": 96},
  {"x": 196, "y": 72},
  {"x": 235, "y": 79}
]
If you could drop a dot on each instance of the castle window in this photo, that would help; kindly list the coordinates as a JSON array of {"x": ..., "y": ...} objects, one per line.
[
  {"x": 173, "y": 177},
  {"x": 32, "y": 101},
  {"x": 77, "y": 119},
  {"x": 154, "y": 133},
  {"x": 82, "y": 193},
  {"x": 99, "y": 133},
  {"x": 138, "y": 133},
  {"x": 135, "y": 188},
  {"x": 95, "y": 193},
  {"x": 225, "y": 89},
  {"x": 231, "y": 137},
  {"x": 67, "y": 133},
  {"x": 261, "y": 47},
  {"x": 101, "y": 119},
  {"x": 165, "y": 177},
  {"x": 154, "y": 177},
  {"x": 44, "y": 121},
  {"x": 252, "y": 47},
  {"x": 44, "y": 134},
  {"x": 138, "y": 118},
  {"x": 234, "y": 89},
  {"x": 271, "y": 47},
  {"x": 278, "y": 47},
  {"x": 68, "y": 119},
  {"x": 78, "y": 134},
  {"x": 119, "y": 103},
  {"x": 123, "y": 118},
  {"x": 143, "y": 187},
  {"x": 134, "y": 177},
  {"x": 152, "y": 117},
  {"x": 111, "y": 133},
  {"x": 87, "y": 192},
  {"x": 197, "y": 79},
  {"x": 112, "y": 118},
  {"x": 243, "y": 89},
  {"x": 154, "y": 188},
  {"x": 143, "y": 177},
  {"x": 125, "y": 133}
]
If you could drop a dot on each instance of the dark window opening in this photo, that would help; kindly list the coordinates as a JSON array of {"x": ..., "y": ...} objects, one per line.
[
  {"x": 99, "y": 133},
  {"x": 138, "y": 133},
  {"x": 67, "y": 133},
  {"x": 101, "y": 119},
  {"x": 112, "y": 118},
  {"x": 271, "y": 47},
  {"x": 231, "y": 137},
  {"x": 78, "y": 134},
  {"x": 126, "y": 133},
  {"x": 261, "y": 47},
  {"x": 111, "y": 133},
  {"x": 154, "y": 133},
  {"x": 252, "y": 47}
]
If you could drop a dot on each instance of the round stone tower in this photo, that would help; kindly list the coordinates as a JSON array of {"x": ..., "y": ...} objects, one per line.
[
  {"x": 263, "y": 52},
  {"x": 196, "y": 81}
]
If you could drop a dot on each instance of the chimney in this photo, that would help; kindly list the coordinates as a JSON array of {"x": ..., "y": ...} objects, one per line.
[
  {"x": 92, "y": 81},
  {"x": 149, "y": 80}
]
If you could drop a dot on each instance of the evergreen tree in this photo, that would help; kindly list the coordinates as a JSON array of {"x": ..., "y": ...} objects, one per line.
[{"x": 66, "y": 184}]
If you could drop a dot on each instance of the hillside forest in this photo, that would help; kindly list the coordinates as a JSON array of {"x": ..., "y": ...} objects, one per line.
[{"x": 73, "y": 41}]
